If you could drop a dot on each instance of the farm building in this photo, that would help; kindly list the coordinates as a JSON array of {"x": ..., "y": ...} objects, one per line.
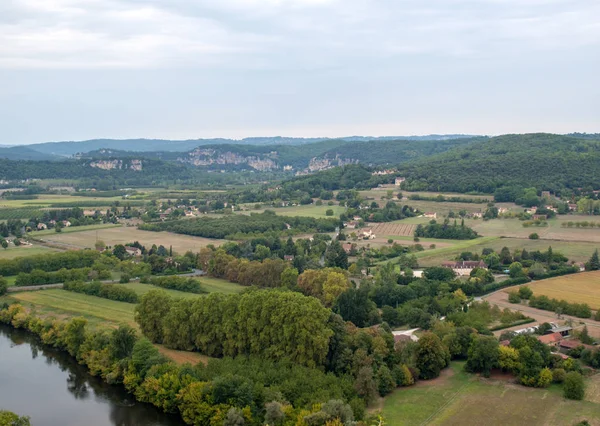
[
  {"x": 550, "y": 339},
  {"x": 464, "y": 267},
  {"x": 431, "y": 215},
  {"x": 133, "y": 251},
  {"x": 367, "y": 233}
]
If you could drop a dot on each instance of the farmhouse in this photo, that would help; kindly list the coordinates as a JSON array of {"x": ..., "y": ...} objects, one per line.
[
  {"x": 478, "y": 215},
  {"x": 367, "y": 233},
  {"x": 41, "y": 226},
  {"x": 351, "y": 225},
  {"x": 347, "y": 247},
  {"x": 573, "y": 207},
  {"x": 398, "y": 181},
  {"x": 552, "y": 339},
  {"x": 133, "y": 251},
  {"x": 431, "y": 215},
  {"x": 288, "y": 257},
  {"x": 567, "y": 345},
  {"x": 464, "y": 267}
]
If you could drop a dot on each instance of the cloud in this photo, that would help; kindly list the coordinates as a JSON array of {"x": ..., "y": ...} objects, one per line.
[{"x": 279, "y": 34}]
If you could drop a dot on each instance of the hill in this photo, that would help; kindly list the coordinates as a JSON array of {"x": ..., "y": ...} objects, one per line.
[
  {"x": 545, "y": 161},
  {"x": 69, "y": 148},
  {"x": 24, "y": 153}
]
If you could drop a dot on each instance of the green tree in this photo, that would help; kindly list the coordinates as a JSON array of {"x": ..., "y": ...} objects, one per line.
[
  {"x": 119, "y": 251},
  {"x": 431, "y": 356},
  {"x": 594, "y": 263},
  {"x": 150, "y": 313},
  {"x": 3, "y": 286},
  {"x": 574, "y": 386},
  {"x": 8, "y": 418},
  {"x": 385, "y": 381},
  {"x": 365, "y": 385},
  {"x": 75, "y": 335},
  {"x": 483, "y": 355},
  {"x": 525, "y": 292},
  {"x": 262, "y": 252},
  {"x": 516, "y": 270},
  {"x": 121, "y": 343},
  {"x": 329, "y": 212},
  {"x": 4, "y": 243},
  {"x": 289, "y": 278}
]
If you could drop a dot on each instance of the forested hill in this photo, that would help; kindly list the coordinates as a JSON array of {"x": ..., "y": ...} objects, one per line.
[
  {"x": 67, "y": 149},
  {"x": 396, "y": 151},
  {"x": 545, "y": 161}
]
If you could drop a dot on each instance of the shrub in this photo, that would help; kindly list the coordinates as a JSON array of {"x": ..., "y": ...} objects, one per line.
[
  {"x": 525, "y": 292},
  {"x": 534, "y": 236},
  {"x": 329, "y": 212},
  {"x": 574, "y": 387},
  {"x": 125, "y": 278},
  {"x": 188, "y": 285},
  {"x": 3, "y": 286},
  {"x": 105, "y": 291},
  {"x": 513, "y": 297},
  {"x": 558, "y": 375}
]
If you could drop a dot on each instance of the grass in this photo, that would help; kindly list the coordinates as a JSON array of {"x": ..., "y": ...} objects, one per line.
[
  {"x": 11, "y": 252},
  {"x": 45, "y": 200},
  {"x": 307, "y": 211},
  {"x": 128, "y": 234},
  {"x": 576, "y": 288},
  {"x": 142, "y": 289},
  {"x": 458, "y": 398},
  {"x": 435, "y": 256},
  {"x": 216, "y": 285},
  {"x": 63, "y": 303},
  {"x": 72, "y": 229}
]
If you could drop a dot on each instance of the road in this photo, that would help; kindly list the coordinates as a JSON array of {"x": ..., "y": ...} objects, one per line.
[{"x": 500, "y": 298}]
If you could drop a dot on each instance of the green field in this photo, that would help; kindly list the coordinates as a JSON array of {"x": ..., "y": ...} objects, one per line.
[
  {"x": 308, "y": 211},
  {"x": 72, "y": 229},
  {"x": 216, "y": 285},
  {"x": 11, "y": 252},
  {"x": 458, "y": 398},
  {"x": 45, "y": 200},
  {"x": 63, "y": 304}
]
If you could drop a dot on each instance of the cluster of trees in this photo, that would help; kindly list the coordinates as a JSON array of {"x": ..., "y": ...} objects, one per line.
[
  {"x": 445, "y": 231},
  {"x": 579, "y": 310},
  {"x": 39, "y": 277},
  {"x": 48, "y": 262},
  {"x": 244, "y": 226},
  {"x": 267, "y": 273},
  {"x": 106, "y": 291},
  {"x": 580, "y": 224},
  {"x": 373, "y": 213},
  {"x": 188, "y": 285},
  {"x": 12, "y": 227},
  {"x": 271, "y": 324},
  {"x": 443, "y": 199}
]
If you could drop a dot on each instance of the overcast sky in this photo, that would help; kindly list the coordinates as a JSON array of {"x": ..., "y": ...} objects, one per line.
[{"x": 82, "y": 69}]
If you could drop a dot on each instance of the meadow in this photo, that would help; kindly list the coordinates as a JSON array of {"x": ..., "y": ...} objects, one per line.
[
  {"x": 576, "y": 288},
  {"x": 70, "y": 229},
  {"x": 124, "y": 235},
  {"x": 458, "y": 398},
  {"x": 25, "y": 250}
]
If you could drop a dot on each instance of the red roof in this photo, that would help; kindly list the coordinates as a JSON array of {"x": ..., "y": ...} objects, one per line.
[
  {"x": 570, "y": 344},
  {"x": 549, "y": 339}
]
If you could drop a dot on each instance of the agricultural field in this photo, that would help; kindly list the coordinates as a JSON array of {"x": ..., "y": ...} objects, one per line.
[
  {"x": 25, "y": 250},
  {"x": 554, "y": 231},
  {"x": 576, "y": 288},
  {"x": 124, "y": 235},
  {"x": 312, "y": 210},
  {"x": 70, "y": 229},
  {"x": 45, "y": 200},
  {"x": 458, "y": 398},
  {"x": 393, "y": 229},
  {"x": 63, "y": 304},
  {"x": 211, "y": 285}
]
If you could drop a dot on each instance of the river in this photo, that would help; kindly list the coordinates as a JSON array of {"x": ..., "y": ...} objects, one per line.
[{"x": 51, "y": 388}]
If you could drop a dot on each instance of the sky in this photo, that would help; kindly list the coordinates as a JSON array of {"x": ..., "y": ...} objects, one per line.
[{"x": 187, "y": 69}]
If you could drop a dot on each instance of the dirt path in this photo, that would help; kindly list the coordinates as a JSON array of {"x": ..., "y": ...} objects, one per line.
[{"x": 500, "y": 298}]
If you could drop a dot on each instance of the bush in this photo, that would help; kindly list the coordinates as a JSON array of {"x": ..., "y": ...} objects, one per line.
[
  {"x": 525, "y": 292},
  {"x": 513, "y": 297},
  {"x": 105, "y": 291},
  {"x": 534, "y": 236},
  {"x": 125, "y": 278},
  {"x": 574, "y": 387},
  {"x": 558, "y": 375},
  {"x": 189, "y": 285},
  {"x": 329, "y": 212}
]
